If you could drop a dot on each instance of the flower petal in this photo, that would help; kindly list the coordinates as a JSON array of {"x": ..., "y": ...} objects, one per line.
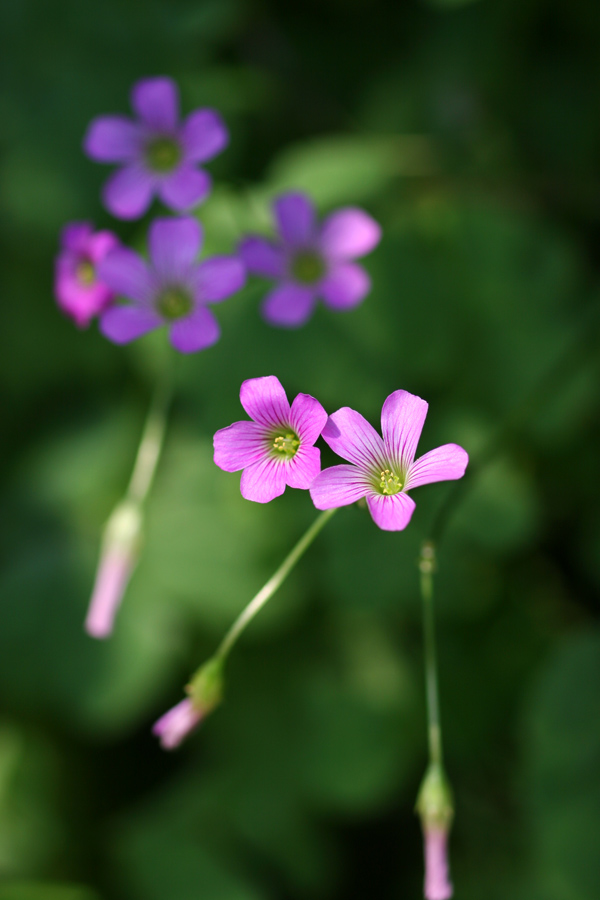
[
  {"x": 263, "y": 481},
  {"x": 289, "y": 305},
  {"x": 295, "y": 216},
  {"x": 122, "y": 324},
  {"x": 75, "y": 236},
  {"x": 127, "y": 274},
  {"x": 156, "y": 101},
  {"x": 262, "y": 257},
  {"x": 196, "y": 332},
  {"x": 301, "y": 471},
  {"x": 402, "y": 419},
  {"x": 391, "y": 513},
  {"x": 307, "y": 418},
  {"x": 100, "y": 244},
  {"x": 239, "y": 445},
  {"x": 339, "y": 486},
  {"x": 349, "y": 233},
  {"x": 218, "y": 278},
  {"x": 204, "y": 134},
  {"x": 174, "y": 245},
  {"x": 128, "y": 192},
  {"x": 185, "y": 188},
  {"x": 113, "y": 139},
  {"x": 265, "y": 401},
  {"x": 446, "y": 463},
  {"x": 345, "y": 286},
  {"x": 353, "y": 438}
]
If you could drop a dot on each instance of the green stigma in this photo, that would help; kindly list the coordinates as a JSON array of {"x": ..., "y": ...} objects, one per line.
[
  {"x": 286, "y": 444},
  {"x": 389, "y": 483},
  {"x": 86, "y": 274},
  {"x": 307, "y": 267},
  {"x": 163, "y": 154},
  {"x": 174, "y": 303}
]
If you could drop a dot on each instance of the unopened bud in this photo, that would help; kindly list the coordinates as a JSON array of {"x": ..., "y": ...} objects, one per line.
[
  {"x": 118, "y": 558},
  {"x": 205, "y": 692},
  {"x": 435, "y": 808}
]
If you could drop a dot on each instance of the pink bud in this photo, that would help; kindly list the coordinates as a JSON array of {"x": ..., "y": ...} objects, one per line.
[
  {"x": 176, "y": 724},
  {"x": 437, "y": 880}
]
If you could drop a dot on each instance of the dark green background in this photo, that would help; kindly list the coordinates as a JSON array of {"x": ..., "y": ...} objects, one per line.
[{"x": 471, "y": 131}]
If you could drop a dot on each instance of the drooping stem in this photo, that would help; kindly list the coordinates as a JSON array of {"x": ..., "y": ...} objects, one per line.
[
  {"x": 152, "y": 440},
  {"x": 434, "y": 728},
  {"x": 276, "y": 580}
]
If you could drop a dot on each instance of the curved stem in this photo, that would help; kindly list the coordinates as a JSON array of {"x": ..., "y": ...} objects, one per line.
[
  {"x": 434, "y": 728},
  {"x": 152, "y": 440},
  {"x": 276, "y": 580}
]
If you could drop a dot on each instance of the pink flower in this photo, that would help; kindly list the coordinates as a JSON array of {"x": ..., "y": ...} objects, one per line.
[
  {"x": 177, "y": 723},
  {"x": 78, "y": 290},
  {"x": 276, "y": 448},
  {"x": 437, "y": 881},
  {"x": 158, "y": 154},
  {"x": 311, "y": 260},
  {"x": 383, "y": 470}
]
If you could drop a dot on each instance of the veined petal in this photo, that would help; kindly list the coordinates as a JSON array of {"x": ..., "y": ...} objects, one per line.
[
  {"x": 265, "y": 401},
  {"x": 402, "y": 419},
  {"x": 127, "y": 274},
  {"x": 345, "y": 285},
  {"x": 353, "y": 438},
  {"x": 289, "y": 305},
  {"x": 295, "y": 215},
  {"x": 349, "y": 233},
  {"x": 264, "y": 480},
  {"x": 339, "y": 486},
  {"x": 185, "y": 188},
  {"x": 174, "y": 245},
  {"x": 128, "y": 192},
  {"x": 307, "y": 418},
  {"x": 217, "y": 278},
  {"x": 195, "y": 332},
  {"x": 122, "y": 324},
  {"x": 113, "y": 139},
  {"x": 204, "y": 134},
  {"x": 391, "y": 513},
  {"x": 239, "y": 445},
  {"x": 156, "y": 101},
  {"x": 262, "y": 257},
  {"x": 446, "y": 463},
  {"x": 301, "y": 471}
]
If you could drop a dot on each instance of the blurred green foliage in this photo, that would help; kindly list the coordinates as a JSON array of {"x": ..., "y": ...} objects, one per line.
[{"x": 470, "y": 131}]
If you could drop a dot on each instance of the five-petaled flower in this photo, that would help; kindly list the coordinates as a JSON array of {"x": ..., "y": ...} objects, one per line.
[
  {"x": 383, "y": 470},
  {"x": 172, "y": 290},
  {"x": 79, "y": 292},
  {"x": 311, "y": 260},
  {"x": 276, "y": 448},
  {"x": 159, "y": 154}
]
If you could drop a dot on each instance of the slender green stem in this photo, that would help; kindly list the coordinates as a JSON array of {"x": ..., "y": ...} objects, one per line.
[
  {"x": 276, "y": 580},
  {"x": 152, "y": 440},
  {"x": 434, "y": 728}
]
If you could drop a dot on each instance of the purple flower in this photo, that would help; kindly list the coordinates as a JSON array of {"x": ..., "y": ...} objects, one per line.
[
  {"x": 311, "y": 260},
  {"x": 276, "y": 448},
  {"x": 383, "y": 470},
  {"x": 177, "y": 723},
  {"x": 79, "y": 292},
  {"x": 437, "y": 880},
  {"x": 159, "y": 154},
  {"x": 171, "y": 290}
]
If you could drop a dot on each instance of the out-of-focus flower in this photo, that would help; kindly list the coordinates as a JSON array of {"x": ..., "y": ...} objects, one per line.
[
  {"x": 311, "y": 260},
  {"x": 171, "y": 290},
  {"x": 383, "y": 470},
  {"x": 435, "y": 807},
  {"x": 159, "y": 154},
  {"x": 118, "y": 558},
  {"x": 276, "y": 448},
  {"x": 437, "y": 879},
  {"x": 78, "y": 290},
  {"x": 205, "y": 692}
]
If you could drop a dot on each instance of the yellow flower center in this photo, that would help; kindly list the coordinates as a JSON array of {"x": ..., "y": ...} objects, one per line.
[
  {"x": 286, "y": 444},
  {"x": 174, "y": 303},
  {"x": 163, "y": 154},
  {"x": 389, "y": 483}
]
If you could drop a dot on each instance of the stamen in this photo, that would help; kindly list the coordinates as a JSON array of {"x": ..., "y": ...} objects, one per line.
[
  {"x": 286, "y": 444},
  {"x": 163, "y": 154},
  {"x": 389, "y": 483},
  {"x": 174, "y": 303},
  {"x": 86, "y": 274}
]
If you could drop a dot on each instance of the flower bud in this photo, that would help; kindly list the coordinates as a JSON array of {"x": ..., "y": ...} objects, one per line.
[
  {"x": 118, "y": 557},
  {"x": 435, "y": 808},
  {"x": 205, "y": 692}
]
